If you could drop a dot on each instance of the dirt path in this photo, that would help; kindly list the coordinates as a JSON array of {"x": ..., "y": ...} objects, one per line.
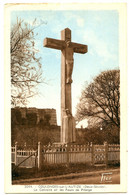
[{"x": 102, "y": 178}]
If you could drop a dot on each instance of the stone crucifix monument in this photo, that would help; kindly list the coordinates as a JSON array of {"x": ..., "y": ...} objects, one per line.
[{"x": 67, "y": 48}]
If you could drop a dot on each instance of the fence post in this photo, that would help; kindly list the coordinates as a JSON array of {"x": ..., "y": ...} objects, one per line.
[
  {"x": 92, "y": 153},
  {"x": 68, "y": 154},
  {"x": 106, "y": 152},
  {"x": 39, "y": 156},
  {"x": 15, "y": 153}
]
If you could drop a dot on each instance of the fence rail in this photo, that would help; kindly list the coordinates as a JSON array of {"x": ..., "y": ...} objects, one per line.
[{"x": 65, "y": 154}]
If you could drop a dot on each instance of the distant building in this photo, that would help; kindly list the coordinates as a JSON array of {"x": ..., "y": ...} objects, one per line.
[
  {"x": 40, "y": 113},
  {"x": 82, "y": 124}
]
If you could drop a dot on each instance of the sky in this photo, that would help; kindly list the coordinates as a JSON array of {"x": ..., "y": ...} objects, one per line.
[{"x": 97, "y": 29}]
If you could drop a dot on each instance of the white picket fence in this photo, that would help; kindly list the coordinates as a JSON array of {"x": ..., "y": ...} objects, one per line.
[
  {"x": 113, "y": 153},
  {"x": 27, "y": 158},
  {"x": 65, "y": 154}
]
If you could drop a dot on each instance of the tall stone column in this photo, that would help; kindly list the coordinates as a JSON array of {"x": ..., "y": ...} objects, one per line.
[{"x": 68, "y": 122}]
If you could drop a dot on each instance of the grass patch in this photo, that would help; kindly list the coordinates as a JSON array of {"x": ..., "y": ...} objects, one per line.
[{"x": 54, "y": 170}]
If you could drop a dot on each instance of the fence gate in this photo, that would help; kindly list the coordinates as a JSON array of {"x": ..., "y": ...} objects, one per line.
[{"x": 99, "y": 154}]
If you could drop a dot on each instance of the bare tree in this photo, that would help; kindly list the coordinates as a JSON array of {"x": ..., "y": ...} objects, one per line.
[
  {"x": 26, "y": 70},
  {"x": 100, "y": 100}
]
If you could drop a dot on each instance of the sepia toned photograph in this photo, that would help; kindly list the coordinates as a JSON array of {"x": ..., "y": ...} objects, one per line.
[{"x": 66, "y": 98}]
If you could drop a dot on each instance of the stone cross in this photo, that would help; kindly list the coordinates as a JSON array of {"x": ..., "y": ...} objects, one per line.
[{"x": 67, "y": 48}]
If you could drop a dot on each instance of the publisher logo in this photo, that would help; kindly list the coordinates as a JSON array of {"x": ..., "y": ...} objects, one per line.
[{"x": 106, "y": 178}]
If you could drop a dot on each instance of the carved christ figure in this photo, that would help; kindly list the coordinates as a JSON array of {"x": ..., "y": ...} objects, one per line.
[{"x": 69, "y": 63}]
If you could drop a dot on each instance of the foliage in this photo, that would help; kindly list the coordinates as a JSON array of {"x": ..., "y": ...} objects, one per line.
[
  {"x": 100, "y": 100},
  {"x": 26, "y": 71},
  {"x": 47, "y": 118},
  {"x": 98, "y": 136},
  {"x": 31, "y": 118},
  {"x": 31, "y": 135},
  {"x": 18, "y": 116}
]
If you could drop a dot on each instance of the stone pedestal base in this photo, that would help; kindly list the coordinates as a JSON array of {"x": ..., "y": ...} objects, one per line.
[{"x": 68, "y": 134}]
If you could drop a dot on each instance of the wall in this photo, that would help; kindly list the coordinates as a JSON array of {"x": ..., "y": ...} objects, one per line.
[{"x": 39, "y": 113}]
